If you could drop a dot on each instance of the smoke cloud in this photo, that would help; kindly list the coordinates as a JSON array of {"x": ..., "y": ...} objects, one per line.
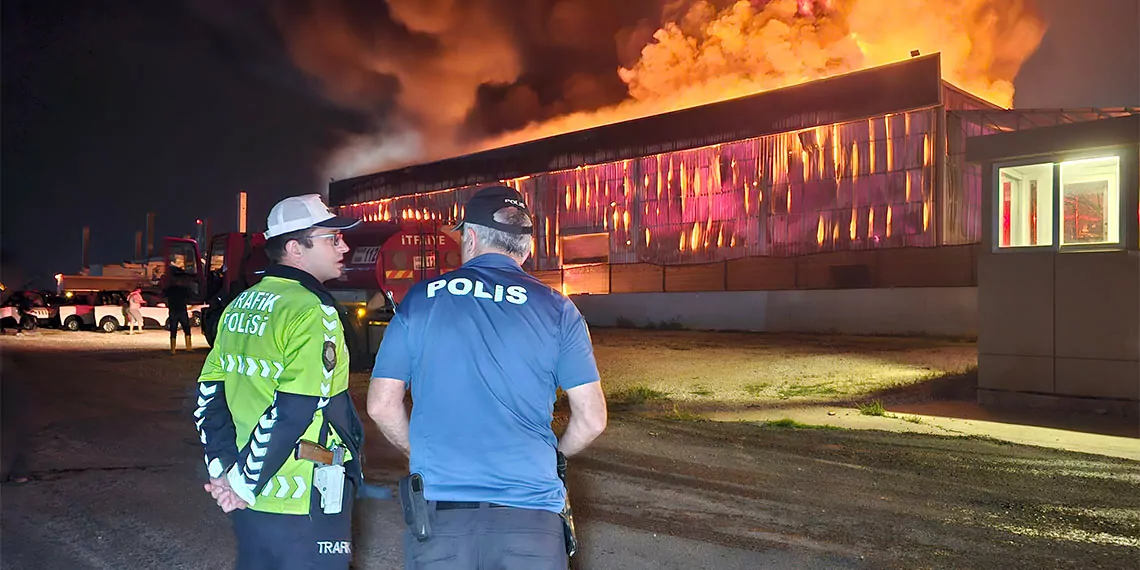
[{"x": 438, "y": 78}]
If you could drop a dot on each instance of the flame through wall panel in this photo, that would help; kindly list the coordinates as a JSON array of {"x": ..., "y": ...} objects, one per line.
[{"x": 857, "y": 185}]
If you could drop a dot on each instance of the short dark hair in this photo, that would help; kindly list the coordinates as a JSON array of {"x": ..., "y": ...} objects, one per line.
[{"x": 275, "y": 246}]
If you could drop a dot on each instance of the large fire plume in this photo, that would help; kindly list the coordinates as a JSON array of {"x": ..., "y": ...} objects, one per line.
[
  {"x": 702, "y": 53},
  {"x": 748, "y": 47}
]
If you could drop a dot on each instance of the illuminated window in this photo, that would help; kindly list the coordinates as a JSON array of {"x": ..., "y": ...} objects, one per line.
[
  {"x": 1090, "y": 200},
  {"x": 1025, "y": 206}
]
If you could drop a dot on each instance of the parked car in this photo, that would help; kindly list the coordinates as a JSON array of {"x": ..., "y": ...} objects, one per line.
[
  {"x": 41, "y": 308},
  {"x": 79, "y": 311}
]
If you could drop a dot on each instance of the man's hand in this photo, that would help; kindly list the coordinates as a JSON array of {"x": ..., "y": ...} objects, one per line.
[{"x": 227, "y": 499}]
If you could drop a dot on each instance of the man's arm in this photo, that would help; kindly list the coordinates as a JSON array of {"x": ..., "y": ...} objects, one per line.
[
  {"x": 212, "y": 418},
  {"x": 577, "y": 374},
  {"x": 271, "y": 443},
  {"x": 390, "y": 377},
  {"x": 216, "y": 432},
  {"x": 386, "y": 408},
  {"x": 587, "y": 418}
]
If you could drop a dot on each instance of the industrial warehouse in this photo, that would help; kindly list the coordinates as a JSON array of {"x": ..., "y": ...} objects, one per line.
[{"x": 840, "y": 205}]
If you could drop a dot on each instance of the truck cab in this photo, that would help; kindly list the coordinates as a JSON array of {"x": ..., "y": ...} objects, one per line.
[{"x": 384, "y": 260}]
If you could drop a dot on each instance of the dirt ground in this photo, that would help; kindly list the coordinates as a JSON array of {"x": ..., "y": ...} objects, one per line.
[
  {"x": 117, "y": 470},
  {"x": 746, "y": 368}
]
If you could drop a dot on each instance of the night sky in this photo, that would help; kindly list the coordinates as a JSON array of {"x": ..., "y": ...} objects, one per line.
[{"x": 113, "y": 109}]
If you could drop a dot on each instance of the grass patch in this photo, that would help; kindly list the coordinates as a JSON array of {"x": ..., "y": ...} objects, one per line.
[
  {"x": 872, "y": 409},
  {"x": 670, "y": 325},
  {"x": 798, "y": 390},
  {"x": 636, "y": 395},
  {"x": 912, "y": 419},
  {"x": 685, "y": 416},
  {"x": 988, "y": 439},
  {"x": 755, "y": 389},
  {"x": 793, "y": 424},
  {"x": 700, "y": 390}
]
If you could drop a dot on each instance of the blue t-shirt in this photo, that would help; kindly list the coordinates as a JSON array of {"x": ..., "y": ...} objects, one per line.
[{"x": 483, "y": 349}]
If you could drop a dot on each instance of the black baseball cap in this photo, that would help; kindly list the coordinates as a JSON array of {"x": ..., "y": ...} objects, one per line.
[{"x": 481, "y": 208}]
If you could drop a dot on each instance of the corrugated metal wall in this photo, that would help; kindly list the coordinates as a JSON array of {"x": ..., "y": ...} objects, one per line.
[{"x": 859, "y": 185}]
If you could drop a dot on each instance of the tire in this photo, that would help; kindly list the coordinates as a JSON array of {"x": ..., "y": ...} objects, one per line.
[
  {"x": 72, "y": 324},
  {"x": 108, "y": 325},
  {"x": 196, "y": 319},
  {"x": 28, "y": 323}
]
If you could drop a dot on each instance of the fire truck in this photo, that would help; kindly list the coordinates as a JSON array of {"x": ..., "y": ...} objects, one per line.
[{"x": 384, "y": 260}]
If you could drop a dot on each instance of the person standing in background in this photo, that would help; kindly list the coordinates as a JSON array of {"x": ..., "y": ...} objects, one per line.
[
  {"x": 134, "y": 310},
  {"x": 177, "y": 293}
]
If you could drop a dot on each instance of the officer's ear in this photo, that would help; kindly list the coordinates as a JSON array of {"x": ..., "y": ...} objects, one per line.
[
  {"x": 470, "y": 240},
  {"x": 293, "y": 248}
]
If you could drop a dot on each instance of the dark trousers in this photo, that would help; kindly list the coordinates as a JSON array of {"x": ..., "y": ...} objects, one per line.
[
  {"x": 176, "y": 318},
  {"x": 489, "y": 538},
  {"x": 268, "y": 541}
]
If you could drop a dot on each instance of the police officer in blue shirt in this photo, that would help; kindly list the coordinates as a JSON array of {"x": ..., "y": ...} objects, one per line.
[{"x": 483, "y": 350}]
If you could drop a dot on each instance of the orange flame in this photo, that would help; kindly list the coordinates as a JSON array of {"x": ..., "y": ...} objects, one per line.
[
  {"x": 708, "y": 55},
  {"x": 871, "y": 147}
]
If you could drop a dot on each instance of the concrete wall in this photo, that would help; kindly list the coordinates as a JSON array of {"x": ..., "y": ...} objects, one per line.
[
  {"x": 949, "y": 311},
  {"x": 1061, "y": 325},
  {"x": 950, "y": 266}
]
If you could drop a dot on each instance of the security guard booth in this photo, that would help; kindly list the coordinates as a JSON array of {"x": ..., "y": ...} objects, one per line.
[{"x": 1059, "y": 270}]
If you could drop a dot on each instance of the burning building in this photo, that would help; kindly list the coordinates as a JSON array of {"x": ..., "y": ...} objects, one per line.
[{"x": 849, "y": 186}]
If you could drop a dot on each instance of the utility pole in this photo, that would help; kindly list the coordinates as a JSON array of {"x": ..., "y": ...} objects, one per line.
[{"x": 241, "y": 212}]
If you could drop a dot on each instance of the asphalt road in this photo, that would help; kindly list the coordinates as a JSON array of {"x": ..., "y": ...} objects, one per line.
[{"x": 117, "y": 476}]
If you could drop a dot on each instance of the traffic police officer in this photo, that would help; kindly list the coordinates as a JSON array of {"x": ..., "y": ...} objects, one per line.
[
  {"x": 483, "y": 350},
  {"x": 278, "y": 375}
]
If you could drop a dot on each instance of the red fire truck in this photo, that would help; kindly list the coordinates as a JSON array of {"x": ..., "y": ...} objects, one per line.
[{"x": 384, "y": 260}]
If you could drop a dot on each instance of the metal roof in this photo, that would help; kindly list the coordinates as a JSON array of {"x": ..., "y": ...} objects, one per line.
[{"x": 910, "y": 84}]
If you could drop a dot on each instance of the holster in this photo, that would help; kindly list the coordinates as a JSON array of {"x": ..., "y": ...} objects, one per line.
[
  {"x": 417, "y": 513},
  {"x": 329, "y": 482},
  {"x": 569, "y": 535}
]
